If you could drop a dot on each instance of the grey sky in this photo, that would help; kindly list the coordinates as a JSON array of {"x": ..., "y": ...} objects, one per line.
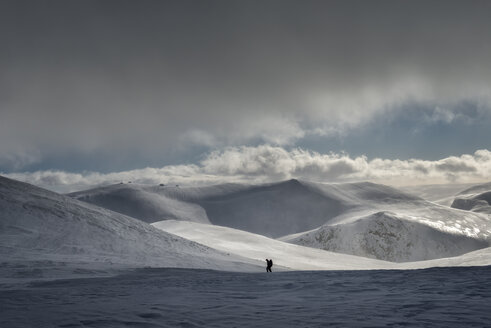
[{"x": 116, "y": 85}]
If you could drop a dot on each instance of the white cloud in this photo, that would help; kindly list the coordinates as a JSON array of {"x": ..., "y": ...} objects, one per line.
[{"x": 270, "y": 163}]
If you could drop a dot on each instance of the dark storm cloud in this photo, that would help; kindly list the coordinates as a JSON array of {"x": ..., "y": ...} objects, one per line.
[{"x": 150, "y": 77}]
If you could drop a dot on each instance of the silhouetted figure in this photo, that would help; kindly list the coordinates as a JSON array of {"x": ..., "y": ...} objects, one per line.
[{"x": 269, "y": 264}]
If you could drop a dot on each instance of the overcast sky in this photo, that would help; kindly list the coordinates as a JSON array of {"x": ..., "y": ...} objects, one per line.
[{"x": 101, "y": 87}]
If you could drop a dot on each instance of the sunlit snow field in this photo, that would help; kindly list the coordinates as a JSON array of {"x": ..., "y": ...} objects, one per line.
[{"x": 437, "y": 297}]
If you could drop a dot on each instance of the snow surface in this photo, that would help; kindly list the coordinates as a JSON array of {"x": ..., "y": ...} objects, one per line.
[{"x": 438, "y": 297}]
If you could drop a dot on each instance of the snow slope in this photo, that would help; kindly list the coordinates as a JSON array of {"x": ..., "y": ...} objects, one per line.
[
  {"x": 36, "y": 224},
  {"x": 296, "y": 257},
  {"x": 259, "y": 248}
]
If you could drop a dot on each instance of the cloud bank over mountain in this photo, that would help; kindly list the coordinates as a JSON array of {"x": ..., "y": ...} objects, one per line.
[{"x": 267, "y": 163}]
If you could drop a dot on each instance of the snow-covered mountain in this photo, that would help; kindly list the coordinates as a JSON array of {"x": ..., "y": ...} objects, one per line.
[
  {"x": 389, "y": 236},
  {"x": 146, "y": 203},
  {"x": 400, "y": 230},
  {"x": 363, "y": 219},
  {"x": 36, "y": 224},
  {"x": 273, "y": 210},
  {"x": 475, "y": 199},
  {"x": 39, "y": 226}
]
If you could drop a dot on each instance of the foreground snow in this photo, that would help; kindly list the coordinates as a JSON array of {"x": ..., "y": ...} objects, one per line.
[{"x": 438, "y": 297}]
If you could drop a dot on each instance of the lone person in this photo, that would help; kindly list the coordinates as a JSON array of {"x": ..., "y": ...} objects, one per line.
[{"x": 269, "y": 265}]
